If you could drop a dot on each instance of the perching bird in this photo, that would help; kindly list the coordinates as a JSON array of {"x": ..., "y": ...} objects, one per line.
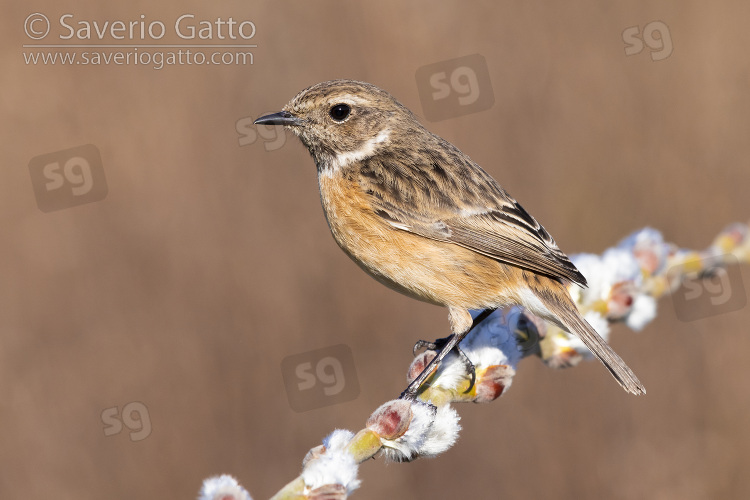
[{"x": 419, "y": 216}]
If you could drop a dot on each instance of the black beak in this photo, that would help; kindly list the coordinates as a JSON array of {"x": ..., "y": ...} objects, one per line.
[{"x": 281, "y": 118}]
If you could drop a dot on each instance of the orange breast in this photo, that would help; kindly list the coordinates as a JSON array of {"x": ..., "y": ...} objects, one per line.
[{"x": 432, "y": 271}]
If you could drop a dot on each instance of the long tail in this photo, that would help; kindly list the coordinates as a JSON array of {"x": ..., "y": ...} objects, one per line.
[{"x": 567, "y": 313}]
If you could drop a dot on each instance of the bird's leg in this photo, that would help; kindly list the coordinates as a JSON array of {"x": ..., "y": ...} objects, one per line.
[
  {"x": 438, "y": 346},
  {"x": 445, "y": 346}
]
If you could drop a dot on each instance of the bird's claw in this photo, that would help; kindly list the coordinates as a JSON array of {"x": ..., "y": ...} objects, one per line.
[
  {"x": 430, "y": 346},
  {"x": 437, "y": 345}
]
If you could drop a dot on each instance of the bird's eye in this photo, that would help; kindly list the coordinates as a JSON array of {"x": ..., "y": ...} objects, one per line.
[{"x": 339, "y": 112}]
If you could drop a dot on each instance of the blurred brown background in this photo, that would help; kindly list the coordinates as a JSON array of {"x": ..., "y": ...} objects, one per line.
[{"x": 209, "y": 262}]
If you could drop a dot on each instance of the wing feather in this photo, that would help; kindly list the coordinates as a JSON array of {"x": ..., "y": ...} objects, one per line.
[{"x": 439, "y": 193}]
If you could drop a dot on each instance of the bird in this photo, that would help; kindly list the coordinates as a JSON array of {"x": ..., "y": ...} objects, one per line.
[{"x": 419, "y": 216}]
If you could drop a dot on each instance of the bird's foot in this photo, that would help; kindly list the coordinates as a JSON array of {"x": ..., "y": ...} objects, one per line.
[{"x": 438, "y": 345}]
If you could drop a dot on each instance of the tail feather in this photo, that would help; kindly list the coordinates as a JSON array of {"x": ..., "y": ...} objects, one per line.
[{"x": 572, "y": 321}]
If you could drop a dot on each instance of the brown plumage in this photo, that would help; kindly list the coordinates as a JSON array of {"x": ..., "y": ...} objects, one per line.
[{"x": 420, "y": 217}]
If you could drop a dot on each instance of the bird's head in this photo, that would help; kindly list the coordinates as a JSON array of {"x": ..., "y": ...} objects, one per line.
[{"x": 342, "y": 121}]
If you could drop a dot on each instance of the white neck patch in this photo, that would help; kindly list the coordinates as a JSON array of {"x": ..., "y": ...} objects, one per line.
[{"x": 366, "y": 151}]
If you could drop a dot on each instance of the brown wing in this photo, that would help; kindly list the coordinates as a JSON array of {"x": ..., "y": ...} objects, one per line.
[
  {"x": 519, "y": 241},
  {"x": 452, "y": 199},
  {"x": 496, "y": 234}
]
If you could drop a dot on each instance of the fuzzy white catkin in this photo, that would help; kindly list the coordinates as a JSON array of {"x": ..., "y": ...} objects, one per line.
[
  {"x": 338, "y": 439},
  {"x": 430, "y": 433},
  {"x": 335, "y": 466},
  {"x": 442, "y": 434},
  {"x": 602, "y": 273},
  {"x": 642, "y": 312},
  {"x": 223, "y": 487}
]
